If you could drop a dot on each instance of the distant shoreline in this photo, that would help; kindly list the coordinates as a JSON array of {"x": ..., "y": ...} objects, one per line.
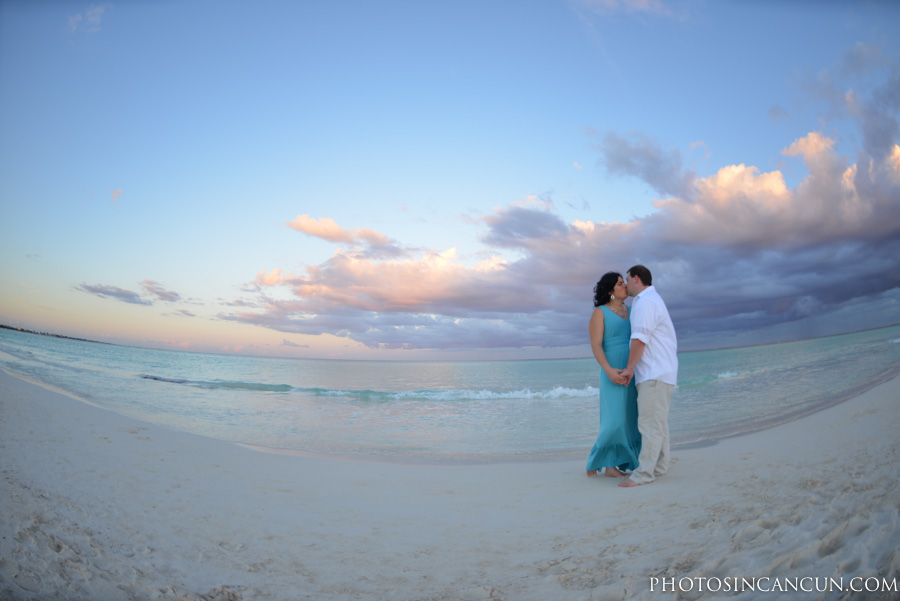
[{"x": 27, "y": 331}]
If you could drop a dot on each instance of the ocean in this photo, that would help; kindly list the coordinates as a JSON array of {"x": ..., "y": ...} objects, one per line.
[{"x": 444, "y": 411}]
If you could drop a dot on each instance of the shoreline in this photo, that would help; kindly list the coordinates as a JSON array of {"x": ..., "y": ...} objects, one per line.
[
  {"x": 95, "y": 505},
  {"x": 535, "y": 457},
  {"x": 791, "y": 417}
]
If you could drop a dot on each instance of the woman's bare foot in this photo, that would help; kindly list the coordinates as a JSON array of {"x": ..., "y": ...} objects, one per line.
[
  {"x": 613, "y": 472},
  {"x": 592, "y": 474}
]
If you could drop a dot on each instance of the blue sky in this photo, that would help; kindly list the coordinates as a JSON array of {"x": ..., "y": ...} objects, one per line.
[{"x": 445, "y": 180}]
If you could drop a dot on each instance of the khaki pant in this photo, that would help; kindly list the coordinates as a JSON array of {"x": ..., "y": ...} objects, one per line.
[{"x": 653, "y": 422}]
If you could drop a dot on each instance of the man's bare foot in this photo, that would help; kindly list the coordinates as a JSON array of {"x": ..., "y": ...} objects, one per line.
[
  {"x": 628, "y": 483},
  {"x": 613, "y": 472},
  {"x": 592, "y": 474}
]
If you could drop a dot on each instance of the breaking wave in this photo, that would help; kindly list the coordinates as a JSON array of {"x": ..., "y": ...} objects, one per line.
[{"x": 558, "y": 392}]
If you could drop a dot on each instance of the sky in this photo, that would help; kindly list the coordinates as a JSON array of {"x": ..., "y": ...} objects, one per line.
[{"x": 445, "y": 180}]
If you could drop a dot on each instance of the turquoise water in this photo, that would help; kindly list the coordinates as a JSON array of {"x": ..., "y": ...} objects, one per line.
[{"x": 480, "y": 410}]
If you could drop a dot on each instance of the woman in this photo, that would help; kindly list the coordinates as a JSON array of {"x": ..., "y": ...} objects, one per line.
[{"x": 619, "y": 442}]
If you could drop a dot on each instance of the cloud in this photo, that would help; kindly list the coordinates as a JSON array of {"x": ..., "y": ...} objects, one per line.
[
  {"x": 274, "y": 278},
  {"x": 740, "y": 206},
  {"x": 154, "y": 289},
  {"x": 114, "y": 292},
  {"x": 116, "y": 194},
  {"x": 877, "y": 117},
  {"x": 432, "y": 282},
  {"x": 519, "y": 227},
  {"x": 741, "y": 252},
  {"x": 778, "y": 113},
  {"x": 151, "y": 289},
  {"x": 699, "y": 147},
  {"x": 739, "y": 255},
  {"x": 241, "y": 302},
  {"x": 435, "y": 300},
  {"x": 641, "y": 157},
  {"x": 88, "y": 21},
  {"x": 365, "y": 240},
  {"x": 860, "y": 59},
  {"x": 840, "y": 89},
  {"x": 286, "y": 342}
]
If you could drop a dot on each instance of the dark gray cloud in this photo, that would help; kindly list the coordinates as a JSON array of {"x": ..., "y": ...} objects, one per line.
[
  {"x": 643, "y": 158},
  {"x": 877, "y": 117},
  {"x": 859, "y": 60},
  {"x": 519, "y": 227},
  {"x": 153, "y": 291},
  {"x": 114, "y": 292}
]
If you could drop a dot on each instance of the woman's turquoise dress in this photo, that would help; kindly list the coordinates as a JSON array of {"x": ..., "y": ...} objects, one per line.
[{"x": 619, "y": 442}]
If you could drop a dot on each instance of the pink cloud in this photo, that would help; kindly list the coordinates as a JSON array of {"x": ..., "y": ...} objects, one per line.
[
  {"x": 740, "y": 205},
  {"x": 269, "y": 279},
  {"x": 328, "y": 229},
  {"x": 422, "y": 284}
]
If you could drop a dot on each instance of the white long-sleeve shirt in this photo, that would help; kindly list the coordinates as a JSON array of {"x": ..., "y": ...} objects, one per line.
[{"x": 651, "y": 324}]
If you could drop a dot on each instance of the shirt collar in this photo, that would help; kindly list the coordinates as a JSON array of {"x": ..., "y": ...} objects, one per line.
[{"x": 642, "y": 292}]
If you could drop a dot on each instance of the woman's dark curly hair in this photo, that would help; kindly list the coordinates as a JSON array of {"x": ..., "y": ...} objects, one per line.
[{"x": 605, "y": 287}]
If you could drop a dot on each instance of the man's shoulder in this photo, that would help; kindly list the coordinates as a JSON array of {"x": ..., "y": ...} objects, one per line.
[
  {"x": 649, "y": 293},
  {"x": 649, "y": 305}
]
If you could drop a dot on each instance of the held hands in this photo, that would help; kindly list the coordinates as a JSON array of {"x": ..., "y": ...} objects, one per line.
[
  {"x": 624, "y": 376},
  {"x": 615, "y": 376}
]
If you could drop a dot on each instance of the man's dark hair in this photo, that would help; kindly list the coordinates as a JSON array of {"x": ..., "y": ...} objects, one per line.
[{"x": 643, "y": 273}]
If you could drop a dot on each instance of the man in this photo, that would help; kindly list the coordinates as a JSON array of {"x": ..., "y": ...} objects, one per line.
[{"x": 653, "y": 363}]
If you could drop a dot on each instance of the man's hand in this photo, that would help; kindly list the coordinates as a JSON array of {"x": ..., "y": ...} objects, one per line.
[{"x": 625, "y": 375}]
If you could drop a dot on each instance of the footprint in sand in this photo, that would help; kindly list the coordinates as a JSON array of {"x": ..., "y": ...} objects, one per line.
[
  {"x": 233, "y": 546},
  {"x": 133, "y": 430},
  {"x": 837, "y": 539}
]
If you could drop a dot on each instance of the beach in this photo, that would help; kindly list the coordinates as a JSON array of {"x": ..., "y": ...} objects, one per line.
[{"x": 95, "y": 505}]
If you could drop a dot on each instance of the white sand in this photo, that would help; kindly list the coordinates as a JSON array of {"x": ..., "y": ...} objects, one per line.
[{"x": 97, "y": 506}]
